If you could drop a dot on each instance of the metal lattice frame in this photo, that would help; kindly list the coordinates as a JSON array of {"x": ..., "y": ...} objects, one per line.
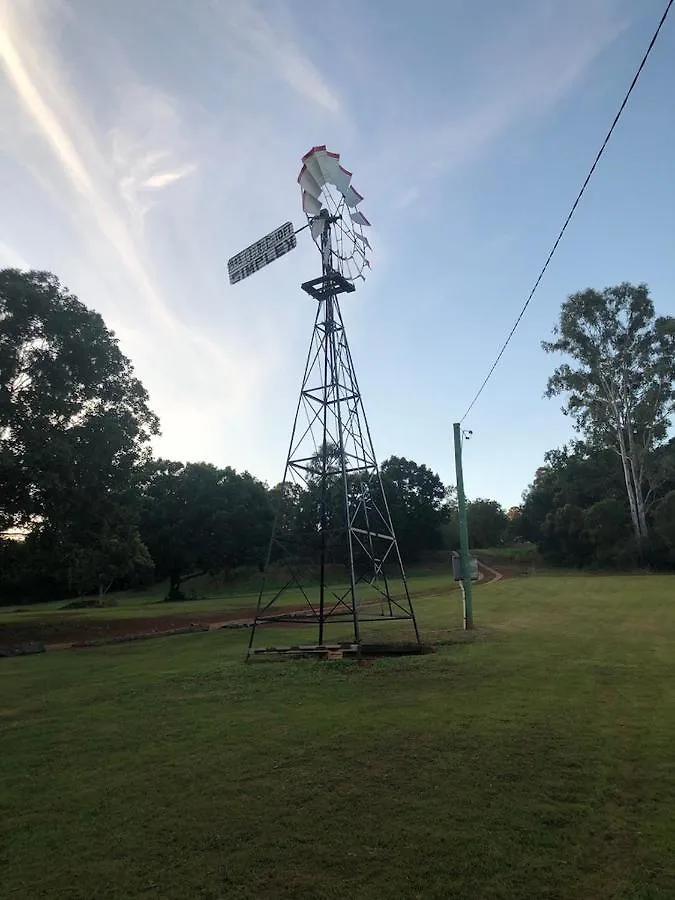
[{"x": 331, "y": 464}]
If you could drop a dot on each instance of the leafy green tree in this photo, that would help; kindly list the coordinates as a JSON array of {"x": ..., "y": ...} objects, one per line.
[
  {"x": 197, "y": 518},
  {"x": 514, "y": 525},
  {"x": 664, "y": 520},
  {"x": 417, "y": 502},
  {"x": 487, "y": 523},
  {"x": 564, "y": 540},
  {"x": 416, "y": 498},
  {"x": 74, "y": 429},
  {"x": 577, "y": 476},
  {"x": 607, "y": 527},
  {"x": 620, "y": 385}
]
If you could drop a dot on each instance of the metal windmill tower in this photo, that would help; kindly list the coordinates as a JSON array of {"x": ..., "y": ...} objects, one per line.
[{"x": 333, "y": 543}]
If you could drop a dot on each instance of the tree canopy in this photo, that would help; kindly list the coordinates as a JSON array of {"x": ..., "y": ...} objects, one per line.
[
  {"x": 197, "y": 518},
  {"x": 78, "y": 480},
  {"x": 620, "y": 381},
  {"x": 577, "y": 512},
  {"x": 74, "y": 430},
  {"x": 417, "y": 503}
]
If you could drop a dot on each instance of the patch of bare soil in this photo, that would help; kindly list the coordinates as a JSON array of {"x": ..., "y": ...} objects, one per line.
[{"x": 68, "y": 630}]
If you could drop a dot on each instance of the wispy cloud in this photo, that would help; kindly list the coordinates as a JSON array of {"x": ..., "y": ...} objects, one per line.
[
  {"x": 11, "y": 258},
  {"x": 163, "y": 179},
  {"x": 518, "y": 74},
  {"x": 526, "y": 72},
  {"x": 148, "y": 145},
  {"x": 102, "y": 178},
  {"x": 164, "y": 137},
  {"x": 38, "y": 84},
  {"x": 268, "y": 44}
]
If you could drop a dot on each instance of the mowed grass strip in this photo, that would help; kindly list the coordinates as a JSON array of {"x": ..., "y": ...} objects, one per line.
[
  {"x": 148, "y": 604},
  {"x": 535, "y": 761}
]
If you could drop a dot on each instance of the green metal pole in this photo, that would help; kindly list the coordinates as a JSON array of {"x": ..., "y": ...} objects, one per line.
[{"x": 463, "y": 530}]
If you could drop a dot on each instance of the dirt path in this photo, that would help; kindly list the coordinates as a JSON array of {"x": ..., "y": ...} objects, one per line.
[{"x": 67, "y": 633}]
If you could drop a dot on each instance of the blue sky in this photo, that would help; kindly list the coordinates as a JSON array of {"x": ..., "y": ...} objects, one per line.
[{"x": 145, "y": 143}]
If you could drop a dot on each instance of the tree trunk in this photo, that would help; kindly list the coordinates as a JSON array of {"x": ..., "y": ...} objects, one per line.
[
  {"x": 175, "y": 580},
  {"x": 636, "y": 471},
  {"x": 630, "y": 488}
]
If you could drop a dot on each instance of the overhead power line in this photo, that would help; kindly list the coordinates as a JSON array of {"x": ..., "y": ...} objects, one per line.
[{"x": 571, "y": 212}]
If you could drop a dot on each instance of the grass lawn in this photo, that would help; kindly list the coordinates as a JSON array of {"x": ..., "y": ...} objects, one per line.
[
  {"x": 150, "y": 603},
  {"x": 536, "y": 761}
]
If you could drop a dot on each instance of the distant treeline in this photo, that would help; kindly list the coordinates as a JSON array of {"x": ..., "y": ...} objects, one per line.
[{"x": 95, "y": 510}]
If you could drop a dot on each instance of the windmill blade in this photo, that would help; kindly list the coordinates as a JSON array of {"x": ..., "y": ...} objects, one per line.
[
  {"x": 334, "y": 212},
  {"x": 329, "y": 164},
  {"x": 358, "y": 218},
  {"x": 324, "y": 167},
  {"x": 310, "y": 204},
  {"x": 352, "y": 196},
  {"x": 342, "y": 180},
  {"x": 310, "y": 162},
  {"x": 309, "y": 183}
]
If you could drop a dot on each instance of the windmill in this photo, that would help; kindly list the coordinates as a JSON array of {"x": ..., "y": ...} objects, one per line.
[{"x": 333, "y": 551}]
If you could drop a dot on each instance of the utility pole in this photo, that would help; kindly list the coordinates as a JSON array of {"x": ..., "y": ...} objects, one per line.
[{"x": 463, "y": 530}]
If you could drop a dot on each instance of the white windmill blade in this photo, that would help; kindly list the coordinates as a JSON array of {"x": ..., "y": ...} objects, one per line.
[
  {"x": 341, "y": 221},
  {"x": 309, "y": 183},
  {"x": 310, "y": 162},
  {"x": 358, "y": 217},
  {"x": 342, "y": 180},
  {"x": 329, "y": 163},
  {"x": 324, "y": 166},
  {"x": 310, "y": 204},
  {"x": 352, "y": 197}
]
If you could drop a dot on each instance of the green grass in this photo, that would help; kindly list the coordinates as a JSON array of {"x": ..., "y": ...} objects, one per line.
[
  {"x": 533, "y": 762},
  {"x": 150, "y": 603}
]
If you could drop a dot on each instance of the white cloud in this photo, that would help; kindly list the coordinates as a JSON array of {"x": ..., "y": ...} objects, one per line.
[
  {"x": 100, "y": 177},
  {"x": 519, "y": 74},
  {"x": 163, "y": 179},
  {"x": 148, "y": 145},
  {"x": 270, "y": 46},
  {"x": 163, "y": 172},
  {"x": 43, "y": 95},
  {"x": 11, "y": 258}
]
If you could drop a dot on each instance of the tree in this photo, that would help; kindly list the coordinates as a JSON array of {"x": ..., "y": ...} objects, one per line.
[
  {"x": 197, "y": 518},
  {"x": 514, "y": 525},
  {"x": 487, "y": 523},
  {"x": 564, "y": 539},
  {"x": 417, "y": 502},
  {"x": 664, "y": 520},
  {"x": 74, "y": 429},
  {"x": 579, "y": 477},
  {"x": 620, "y": 391},
  {"x": 607, "y": 527}
]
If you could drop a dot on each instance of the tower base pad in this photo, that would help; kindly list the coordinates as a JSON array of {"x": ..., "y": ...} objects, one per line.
[{"x": 344, "y": 651}]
